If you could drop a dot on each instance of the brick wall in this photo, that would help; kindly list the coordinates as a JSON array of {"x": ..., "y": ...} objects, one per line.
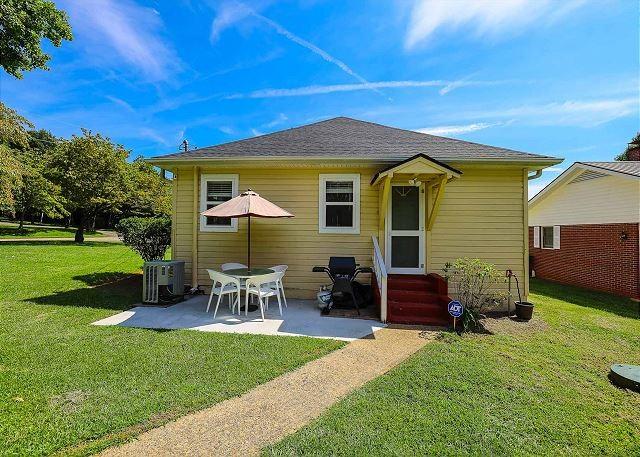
[{"x": 592, "y": 256}]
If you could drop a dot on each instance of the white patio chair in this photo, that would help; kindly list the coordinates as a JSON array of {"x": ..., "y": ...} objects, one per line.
[
  {"x": 280, "y": 286},
  {"x": 260, "y": 286},
  {"x": 228, "y": 286},
  {"x": 232, "y": 266}
]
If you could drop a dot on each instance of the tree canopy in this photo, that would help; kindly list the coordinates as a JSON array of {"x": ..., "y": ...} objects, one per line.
[
  {"x": 23, "y": 26},
  {"x": 634, "y": 141}
]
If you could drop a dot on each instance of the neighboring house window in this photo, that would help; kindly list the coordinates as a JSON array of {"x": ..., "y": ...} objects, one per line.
[
  {"x": 339, "y": 205},
  {"x": 216, "y": 189},
  {"x": 550, "y": 237}
]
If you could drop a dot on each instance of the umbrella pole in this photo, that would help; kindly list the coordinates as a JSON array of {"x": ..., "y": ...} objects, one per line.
[{"x": 249, "y": 242}]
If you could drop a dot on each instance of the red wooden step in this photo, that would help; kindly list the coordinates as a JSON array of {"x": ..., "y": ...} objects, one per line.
[{"x": 420, "y": 296}]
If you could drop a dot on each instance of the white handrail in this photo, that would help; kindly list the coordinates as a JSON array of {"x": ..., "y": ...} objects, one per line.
[{"x": 380, "y": 270}]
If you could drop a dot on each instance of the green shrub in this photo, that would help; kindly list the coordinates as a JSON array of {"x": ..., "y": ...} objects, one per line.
[
  {"x": 148, "y": 236},
  {"x": 473, "y": 282}
]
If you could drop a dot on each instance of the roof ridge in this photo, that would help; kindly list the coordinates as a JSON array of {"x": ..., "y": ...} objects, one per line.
[
  {"x": 439, "y": 136},
  {"x": 263, "y": 135}
]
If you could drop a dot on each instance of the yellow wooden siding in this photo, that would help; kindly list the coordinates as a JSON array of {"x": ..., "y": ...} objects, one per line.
[
  {"x": 294, "y": 242},
  {"x": 482, "y": 216}
]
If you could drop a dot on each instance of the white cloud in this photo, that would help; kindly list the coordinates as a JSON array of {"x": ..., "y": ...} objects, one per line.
[
  {"x": 231, "y": 13},
  {"x": 580, "y": 113},
  {"x": 126, "y": 30},
  {"x": 485, "y": 18},
  {"x": 327, "y": 89},
  {"x": 554, "y": 170},
  {"x": 256, "y": 132},
  {"x": 446, "y": 130},
  {"x": 277, "y": 121}
]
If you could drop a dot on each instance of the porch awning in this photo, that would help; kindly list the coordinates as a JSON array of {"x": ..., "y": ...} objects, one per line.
[
  {"x": 420, "y": 167},
  {"x": 419, "y": 164}
]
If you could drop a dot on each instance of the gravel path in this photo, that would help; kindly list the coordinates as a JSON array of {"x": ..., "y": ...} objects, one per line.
[{"x": 246, "y": 424}]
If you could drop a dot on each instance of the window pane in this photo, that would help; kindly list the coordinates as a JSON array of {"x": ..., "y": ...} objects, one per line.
[
  {"x": 339, "y": 216},
  {"x": 547, "y": 237},
  {"x": 225, "y": 221},
  {"x": 219, "y": 191},
  {"x": 405, "y": 251},
  {"x": 339, "y": 191},
  {"x": 405, "y": 208}
]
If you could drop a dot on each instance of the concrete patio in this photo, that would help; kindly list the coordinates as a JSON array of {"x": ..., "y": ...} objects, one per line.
[{"x": 301, "y": 318}]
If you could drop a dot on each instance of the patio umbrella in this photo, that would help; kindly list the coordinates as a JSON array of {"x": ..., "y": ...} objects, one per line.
[{"x": 247, "y": 204}]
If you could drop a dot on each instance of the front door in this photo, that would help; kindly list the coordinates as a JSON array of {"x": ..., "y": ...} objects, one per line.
[{"x": 405, "y": 251}]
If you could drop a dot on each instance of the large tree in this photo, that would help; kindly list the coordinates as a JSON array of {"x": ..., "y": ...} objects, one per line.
[
  {"x": 37, "y": 194},
  {"x": 23, "y": 26},
  {"x": 149, "y": 194},
  {"x": 14, "y": 138},
  {"x": 635, "y": 141},
  {"x": 91, "y": 172}
]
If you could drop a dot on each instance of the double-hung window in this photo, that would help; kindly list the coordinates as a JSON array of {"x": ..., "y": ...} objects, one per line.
[
  {"x": 216, "y": 189},
  {"x": 546, "y": 237},
  {"x": 339, "y": 203}
]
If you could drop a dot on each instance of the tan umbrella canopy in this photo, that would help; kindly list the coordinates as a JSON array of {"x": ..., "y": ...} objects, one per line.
[{"x": 247, "y": 204}]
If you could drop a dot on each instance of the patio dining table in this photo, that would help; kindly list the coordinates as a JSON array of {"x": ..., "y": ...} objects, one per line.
[{"x": 245, "y": 273}]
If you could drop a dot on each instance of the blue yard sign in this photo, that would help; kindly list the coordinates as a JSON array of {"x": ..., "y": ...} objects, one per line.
[{"x": 455, "y": 308}]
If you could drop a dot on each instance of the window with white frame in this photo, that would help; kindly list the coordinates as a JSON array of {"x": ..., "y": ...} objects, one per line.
[
  {"x": 339, "y": 205},
  {"x": 216, "y": 189},
  {"x": 549, "y": 237}
]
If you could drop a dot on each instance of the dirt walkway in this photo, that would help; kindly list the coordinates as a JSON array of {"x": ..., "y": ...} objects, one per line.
[{"x": 246, "y": 424}]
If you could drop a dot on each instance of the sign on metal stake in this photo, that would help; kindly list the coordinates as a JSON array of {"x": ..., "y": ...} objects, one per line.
[{"x": 456, "y": 309}]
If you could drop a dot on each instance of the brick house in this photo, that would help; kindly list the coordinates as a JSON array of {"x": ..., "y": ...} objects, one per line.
[{"x": 584, "y": 228}]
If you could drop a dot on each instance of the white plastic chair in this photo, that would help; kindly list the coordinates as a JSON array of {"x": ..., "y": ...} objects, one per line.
[
  {"x": 260, "y": 286},
  {"x": 232, "y": 266},
  {"x": 279, "y": 285},
  {"x": 228, "y": 286}
]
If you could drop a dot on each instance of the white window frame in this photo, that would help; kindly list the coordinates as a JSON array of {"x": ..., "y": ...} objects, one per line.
[
  {"x": 204, "y": 178},
  {"x": 555, "y": 242},
  {"x": 322, "y": 203}
]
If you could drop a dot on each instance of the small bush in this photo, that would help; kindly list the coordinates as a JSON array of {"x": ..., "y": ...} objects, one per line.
[
  {"x": 472, "y": 281},
  {"x": 148, "y": 236}
]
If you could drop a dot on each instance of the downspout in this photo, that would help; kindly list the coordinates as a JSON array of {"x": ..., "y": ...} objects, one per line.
[
  {"x": 194, "y": 227},
  {"x": 535, "y": 175}
]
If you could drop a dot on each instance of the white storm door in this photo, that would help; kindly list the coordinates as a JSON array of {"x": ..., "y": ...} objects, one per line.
[{"x": 405, "y": 251}]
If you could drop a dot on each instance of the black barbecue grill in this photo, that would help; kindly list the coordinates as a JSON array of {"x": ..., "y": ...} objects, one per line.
[{"x": 343, "y": 272}]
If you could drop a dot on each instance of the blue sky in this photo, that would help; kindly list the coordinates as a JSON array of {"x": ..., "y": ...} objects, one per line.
[{"x": 544, "y": 76}]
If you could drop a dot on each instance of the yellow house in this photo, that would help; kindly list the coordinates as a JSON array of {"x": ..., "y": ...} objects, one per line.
[{"x": 402, "y": 202}]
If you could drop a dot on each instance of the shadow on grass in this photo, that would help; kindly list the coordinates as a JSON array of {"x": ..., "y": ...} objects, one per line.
[
  {"x": 120, "y": 293},
  {"x": 69, "y": 242},
  {"x": 602, "y": 301},
  {"x": 42, "y": 231}
]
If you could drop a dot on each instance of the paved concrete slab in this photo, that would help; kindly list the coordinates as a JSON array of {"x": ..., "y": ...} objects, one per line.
[{"x": 300, "y": 318}]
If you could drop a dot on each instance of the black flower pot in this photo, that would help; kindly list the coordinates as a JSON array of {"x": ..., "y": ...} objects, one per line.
[{"x": 524, "y": 310}]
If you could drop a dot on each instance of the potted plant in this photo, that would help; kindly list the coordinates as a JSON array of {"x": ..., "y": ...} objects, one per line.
[{"x": 524, "y": 309}]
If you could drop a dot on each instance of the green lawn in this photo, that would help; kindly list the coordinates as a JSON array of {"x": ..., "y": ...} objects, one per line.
[
  {"x": 71, "y": 387},
  {"x": 536, "y": 390},
  {"x": 10, "y": 230}
]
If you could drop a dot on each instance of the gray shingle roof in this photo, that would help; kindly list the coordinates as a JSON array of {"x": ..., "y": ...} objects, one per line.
[
  {"x": 343, "y": 137},
  {"x": 626, "y": 167}
]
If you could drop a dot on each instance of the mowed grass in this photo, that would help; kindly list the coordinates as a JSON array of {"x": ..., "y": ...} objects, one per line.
[
  {"x": 10, "y": 230},
  {"x": 537, "y": 390},
  {"x": 69, "y": 387}
]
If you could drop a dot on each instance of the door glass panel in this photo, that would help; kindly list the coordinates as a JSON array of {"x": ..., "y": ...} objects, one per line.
[
  {"x": 405, "y": 208},
  {"x": 405, "y": 251}
]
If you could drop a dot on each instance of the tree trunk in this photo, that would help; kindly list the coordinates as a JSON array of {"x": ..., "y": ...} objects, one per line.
[
  {"x": 21, "y": 224},
  {"x": 93, "y": 222},
  {"x": 80, "y": 231},
  {"x": 67, "y": 221}
]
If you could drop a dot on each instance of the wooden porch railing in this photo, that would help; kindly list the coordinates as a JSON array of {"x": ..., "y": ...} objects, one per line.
[{"x": 380, "y": 271}]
